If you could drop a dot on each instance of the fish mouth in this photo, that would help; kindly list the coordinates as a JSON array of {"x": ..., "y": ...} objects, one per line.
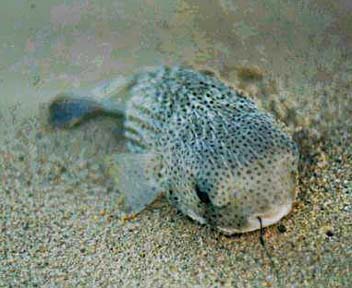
[{"x": 268, "y": 218}]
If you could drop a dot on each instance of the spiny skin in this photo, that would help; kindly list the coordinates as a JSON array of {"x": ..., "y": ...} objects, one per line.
[{"x": 222, "y": 161}]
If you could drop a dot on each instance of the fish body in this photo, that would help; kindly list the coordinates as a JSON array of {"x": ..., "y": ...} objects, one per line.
[{"x": 216, "y": 156}]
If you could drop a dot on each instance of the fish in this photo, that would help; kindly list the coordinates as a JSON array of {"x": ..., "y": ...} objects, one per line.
[{"x": 204, "y": 144}]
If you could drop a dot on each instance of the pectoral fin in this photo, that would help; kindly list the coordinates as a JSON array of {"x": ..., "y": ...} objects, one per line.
[{"x": 134, "y": 176}]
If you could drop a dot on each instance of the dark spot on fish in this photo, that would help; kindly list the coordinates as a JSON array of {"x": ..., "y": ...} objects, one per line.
[{"x": 63, "y": 169}]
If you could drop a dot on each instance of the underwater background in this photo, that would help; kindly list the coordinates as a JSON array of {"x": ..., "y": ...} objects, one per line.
[{"x": 60, "y": 222}]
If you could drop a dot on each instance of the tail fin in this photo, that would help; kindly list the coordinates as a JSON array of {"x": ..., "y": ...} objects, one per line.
[
  {"x": 68, "y": 110},
  {"x": 71, "y": 108}
]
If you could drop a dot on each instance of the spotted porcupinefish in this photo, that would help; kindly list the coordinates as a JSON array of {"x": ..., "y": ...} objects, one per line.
[{"x": 216, "y": 156}]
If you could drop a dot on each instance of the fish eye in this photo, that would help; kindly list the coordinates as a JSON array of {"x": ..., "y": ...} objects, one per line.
[{"x": 202, "y": 195}]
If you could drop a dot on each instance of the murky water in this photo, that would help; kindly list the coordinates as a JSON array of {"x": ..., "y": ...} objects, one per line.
[{"x": 48, "y": 46}]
